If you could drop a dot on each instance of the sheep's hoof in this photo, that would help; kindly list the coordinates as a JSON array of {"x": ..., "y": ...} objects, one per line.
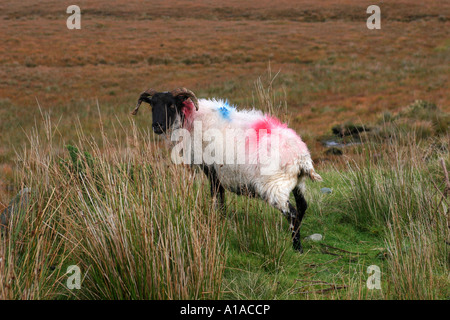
[{"x": 298, "y": 247}]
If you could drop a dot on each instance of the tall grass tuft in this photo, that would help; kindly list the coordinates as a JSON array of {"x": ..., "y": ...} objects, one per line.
[
  {"x": 32, "y": 250},
  {"x": 396, "y": 191},
  {"x": 136, "y": 225},
  {"x": 140, "y": 227}
]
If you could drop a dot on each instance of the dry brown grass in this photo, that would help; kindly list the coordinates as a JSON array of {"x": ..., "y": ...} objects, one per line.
[
  {"x": 231, "y": 42},
  {"x": 114, "y": 212},
  {"x": 141, "y": 227},
  {"x": 333, "y": 69}
]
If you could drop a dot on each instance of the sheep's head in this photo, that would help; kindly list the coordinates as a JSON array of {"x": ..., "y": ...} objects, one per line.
[{"x": 166, "y": 106}]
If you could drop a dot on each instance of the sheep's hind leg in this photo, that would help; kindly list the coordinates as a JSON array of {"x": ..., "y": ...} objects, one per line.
[
  {"x": 294, "y": 220},
  {"x": 300, "y": 203},
  {"x": 300, "y": 212}
]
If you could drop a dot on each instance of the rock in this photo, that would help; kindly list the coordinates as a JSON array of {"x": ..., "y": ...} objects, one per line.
[
  {"x": 333, "y": 151},
  {"x": 314, "y": 237},
  {"x": 19, "y": 204},
  {"x": 348, "y": 129},
  {"x": 339, "y": 143},
  {"x": 326, "y": 190}
]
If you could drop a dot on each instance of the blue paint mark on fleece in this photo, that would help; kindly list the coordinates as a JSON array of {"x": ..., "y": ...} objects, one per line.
[{"x": 224, "y": 110}]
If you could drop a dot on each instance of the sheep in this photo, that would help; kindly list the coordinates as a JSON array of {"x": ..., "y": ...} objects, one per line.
[{"x": 255, "y": 132}]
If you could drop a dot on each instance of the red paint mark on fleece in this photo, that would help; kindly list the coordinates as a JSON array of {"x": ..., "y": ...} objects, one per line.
[
  {"x": 291, "y": 143},
  {"x": 267, "y": 124},
  {"x": 188, "y": 109}
]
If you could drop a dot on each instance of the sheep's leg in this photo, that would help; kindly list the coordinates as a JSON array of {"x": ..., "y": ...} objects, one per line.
[
  {"x": 300, "y": 202},
  {"x": 217, "y": 190},
  {"x": 218, "y": 194},
  {"x": 299, "y": 213},
  {"x": 295, "y": 221}
]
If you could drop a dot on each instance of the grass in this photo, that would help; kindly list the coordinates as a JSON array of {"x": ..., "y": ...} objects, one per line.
[
  {"x": 106, "y": 198},
  {"x": 106, "y": 214},
  {"x": 140, "y": 227}
]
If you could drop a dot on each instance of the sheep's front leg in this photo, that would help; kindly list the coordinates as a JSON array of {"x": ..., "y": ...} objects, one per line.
[
  {"x": 218, "y": 195},
  {"x": 217, "y": 190}
]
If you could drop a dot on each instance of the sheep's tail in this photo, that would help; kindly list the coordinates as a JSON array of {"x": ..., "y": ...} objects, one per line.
[
  {"x": 314, "y": 176},
  {"x": 306, "y": 169}
]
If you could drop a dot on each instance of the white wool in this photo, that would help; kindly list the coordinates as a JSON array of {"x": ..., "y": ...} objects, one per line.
[{"x": 276, "y": 184}]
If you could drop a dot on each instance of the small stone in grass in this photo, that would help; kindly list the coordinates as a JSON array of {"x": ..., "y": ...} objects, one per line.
[
  {"x": 314, "y": 237},
  {"x": 326, "y": 190}
]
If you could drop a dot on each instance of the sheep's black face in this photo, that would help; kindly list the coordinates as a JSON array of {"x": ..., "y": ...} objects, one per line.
[
  {"x": 164, "y": 111},
  {"x": 166, "y": 107}
]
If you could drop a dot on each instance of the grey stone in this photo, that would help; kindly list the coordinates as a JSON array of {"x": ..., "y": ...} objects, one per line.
[
  {"x": 326, "y": 190},
  {"x": 18, "y": 204},
  {"x": 314, "y": 237}
]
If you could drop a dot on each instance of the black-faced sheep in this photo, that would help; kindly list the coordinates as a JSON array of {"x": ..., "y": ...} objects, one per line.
[{"x": 232, "y": 147}]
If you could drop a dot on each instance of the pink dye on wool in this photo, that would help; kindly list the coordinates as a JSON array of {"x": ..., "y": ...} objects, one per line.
[
  {"x": 266, "y": 125},
  {"x": 291, "y": 143},
  {"x": 188, "y": 109}
]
